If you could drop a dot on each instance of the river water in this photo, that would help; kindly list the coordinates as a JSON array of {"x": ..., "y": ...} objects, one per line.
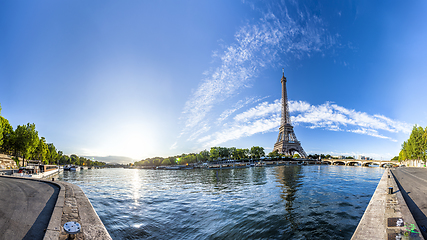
[{"x": 282, "y": 202}]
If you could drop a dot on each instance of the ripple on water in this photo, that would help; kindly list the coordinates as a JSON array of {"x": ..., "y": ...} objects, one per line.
[{"x": 286, "y": 202}]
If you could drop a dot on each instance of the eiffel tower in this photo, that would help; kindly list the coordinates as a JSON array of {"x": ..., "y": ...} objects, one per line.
[{"x": 287, "y": 142}]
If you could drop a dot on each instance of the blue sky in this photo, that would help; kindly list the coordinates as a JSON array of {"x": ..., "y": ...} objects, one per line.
[{"x": 129, "y": 80}]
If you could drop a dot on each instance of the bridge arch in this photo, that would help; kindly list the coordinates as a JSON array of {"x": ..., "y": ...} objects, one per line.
[
  {"x": 339, "y": 163},
  {"x": 366, "y": 164},
  {"x": 353, "y": 163}
]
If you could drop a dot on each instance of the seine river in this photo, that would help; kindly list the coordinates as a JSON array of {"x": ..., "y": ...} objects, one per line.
[{"x": 283, "y": 202}]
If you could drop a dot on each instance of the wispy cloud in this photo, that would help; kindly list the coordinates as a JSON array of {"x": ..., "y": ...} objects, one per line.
[
  {"x": 240, "y": 104},
  {"x": 333, "y": 117},
  {"x": 256, "y": 46},
  {"x": 265, "y": 117},
  {"x": 174, "y": 145}
]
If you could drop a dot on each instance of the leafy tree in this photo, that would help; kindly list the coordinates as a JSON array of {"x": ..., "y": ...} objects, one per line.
[
  {"x": 58, "y": 156},
  {"x": 296, "y": 155},
  {"x": 274, "y": 154},
  {"x": 214, "y": 153},
  {"x": 232, "y": 152},
  {"x": 257, "y": 152},
  {"x": 166, "y": 162},
  {"x": 26, "y": 139},
  {"x": 204, "y": 155},
  {"x": 41, "y": 151},
  {"x": 51, "y": 153},
  {"x": 74, "y": 159},
  {"x": 1, "y": 129},
  {"x": 157, "y": 161},
  {"x": 395, "y": 158},
  {"x": 8, "y": 136},
  {"x": 416, "y": 146}
]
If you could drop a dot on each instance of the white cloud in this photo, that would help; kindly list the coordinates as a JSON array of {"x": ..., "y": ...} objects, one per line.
[
  {"x": 332, "y": 117},
  {"x": 174, "y": 146},
  {"x": 262, "y": 110},
  {"x": 265, "y": 117},
  {"x": 240, "y": 104},
  {"x": 256, "y": 46}
]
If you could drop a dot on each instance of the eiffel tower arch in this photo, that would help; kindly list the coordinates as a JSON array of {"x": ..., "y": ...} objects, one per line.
[{"x": 287, "y": 142}]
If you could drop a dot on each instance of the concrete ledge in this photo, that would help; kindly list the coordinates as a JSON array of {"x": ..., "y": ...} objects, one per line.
[
  {"x": 405, "y": 212},
  {"x": 383, "y": 209},
  {"x": 372, "y": 226},
  {"x": 54, "y": 225},
  {"x": 92, "y": 226}
]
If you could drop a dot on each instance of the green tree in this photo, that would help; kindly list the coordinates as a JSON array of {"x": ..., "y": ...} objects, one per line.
[
  {"x": 274, "y": 154},
  {"x": 214, "y": 153},
  {"x": 239, "y": 154},
  {"x": 8, "y": 136},
  {"x": 157, "y": 161},
  {"x": 204, "y": 155},
  {"x": 1, "y": 129},
  {"x": 74, "y": 159},
  {"x": 296, "y": 155},
  {"x": 58, "y": 157},
  {"x": 41, "y": 151},
  {"x": 257, "y": 152},
  {"x": 52, "y": 154},
  {"x": 232, "y": 151},
  {"x": 166, "y": 162},
  {"x": 26, "y": 139},
  {"x": 416, "y": 145}
]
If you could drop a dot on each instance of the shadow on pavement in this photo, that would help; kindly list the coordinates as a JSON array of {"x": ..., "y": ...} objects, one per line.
[
  {"x": 415, "y": 210},
  {"x": 39, "y": 227}
]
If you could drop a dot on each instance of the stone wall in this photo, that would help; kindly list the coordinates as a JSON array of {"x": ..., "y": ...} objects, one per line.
[{"x": 7, "y": 162}]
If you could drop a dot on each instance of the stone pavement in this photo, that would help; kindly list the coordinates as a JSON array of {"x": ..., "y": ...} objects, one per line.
[
  {"x": 70, "y": 212},
  {"x": 413, "y": 183},
  {"x": 38, "y": 209},
  {"x": 78, "y": 208},
  {"x": 387, "y": 215}
]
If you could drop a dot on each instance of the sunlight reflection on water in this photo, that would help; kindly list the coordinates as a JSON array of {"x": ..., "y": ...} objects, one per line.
[{"x": 286, "y": 202}]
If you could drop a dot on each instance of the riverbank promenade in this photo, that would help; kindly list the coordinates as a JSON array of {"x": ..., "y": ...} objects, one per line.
[
  {"x": 413, "y": 184},
  {"x": 25, "y": 208},
  {"x": 38, "y": 209},
  {"x": 388, "y": 215}
]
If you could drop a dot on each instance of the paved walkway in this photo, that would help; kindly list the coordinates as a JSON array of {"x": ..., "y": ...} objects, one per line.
[
  {"x": 25, "y": 208},
  {"x": 413, "y": 183}
]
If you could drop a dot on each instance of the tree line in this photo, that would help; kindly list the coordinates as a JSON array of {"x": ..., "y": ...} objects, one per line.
[
  {"x": 215, "y": 153},
  {"x": 219, "y": 153},
  {"x": 24, "y": 142},
  {"x": 415, "y": 148}
]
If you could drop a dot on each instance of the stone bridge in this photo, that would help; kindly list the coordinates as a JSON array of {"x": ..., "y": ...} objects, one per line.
[{"x": 357, "y": 162}]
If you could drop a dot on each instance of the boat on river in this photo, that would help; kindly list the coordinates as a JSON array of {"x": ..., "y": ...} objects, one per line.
[{"x": 71, "y": 168}]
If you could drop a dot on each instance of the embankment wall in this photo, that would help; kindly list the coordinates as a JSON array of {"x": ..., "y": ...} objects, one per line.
[{"x": 387, "y": 215}]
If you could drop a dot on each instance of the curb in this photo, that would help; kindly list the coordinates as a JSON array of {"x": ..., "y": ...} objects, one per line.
[
  {"x": 382, "y": 212},
  {"x": 406, "y": 213},
  {"x": 90, "y": 221},
  {"x": 371, "y": 225},
  {"x": 54, "y": 225}
]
